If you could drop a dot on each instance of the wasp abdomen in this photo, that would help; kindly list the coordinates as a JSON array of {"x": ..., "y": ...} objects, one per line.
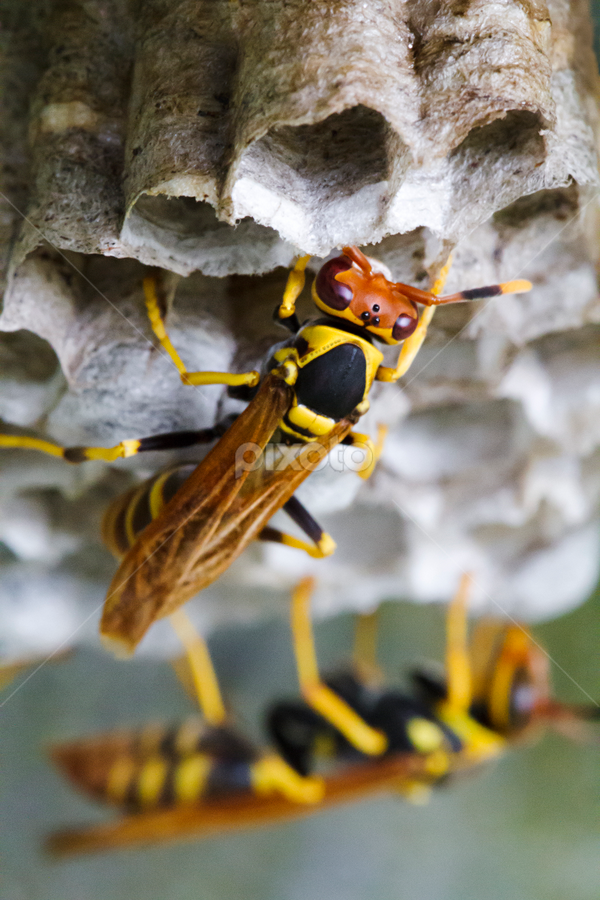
[
  {"x": 160, "y": 767},
  {"x": 130, "y": 513}
]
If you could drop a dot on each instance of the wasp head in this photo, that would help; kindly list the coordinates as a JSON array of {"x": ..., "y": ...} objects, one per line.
[{"x": 350, "y": 287}]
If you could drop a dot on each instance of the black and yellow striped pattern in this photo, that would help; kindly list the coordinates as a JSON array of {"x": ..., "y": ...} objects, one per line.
[
  {"x": 160, "y": 767},
  {"x": 131, "y": 512}
]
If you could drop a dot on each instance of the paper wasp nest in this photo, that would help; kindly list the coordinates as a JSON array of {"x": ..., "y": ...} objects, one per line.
[{"x": 217, "y": 140}]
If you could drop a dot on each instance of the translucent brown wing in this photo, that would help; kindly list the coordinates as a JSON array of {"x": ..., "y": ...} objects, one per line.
[
  {"x": 211, "y": 519},
  {"x": 243, "y": 810},
  {"x": 87, "y": 762}
]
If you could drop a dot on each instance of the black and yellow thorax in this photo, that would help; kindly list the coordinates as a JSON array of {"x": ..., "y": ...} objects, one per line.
[
  {"x": 337, "y": 364},
  {"x": 448, "y": 739}
]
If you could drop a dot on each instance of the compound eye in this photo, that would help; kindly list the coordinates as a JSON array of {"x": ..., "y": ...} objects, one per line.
[
  {"x": 522, "y": 700},
  {"x": 334, "y": 294},
  {"x": 404, "y": 327}
]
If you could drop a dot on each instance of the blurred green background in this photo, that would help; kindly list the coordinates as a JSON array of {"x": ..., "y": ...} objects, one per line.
[{"x": 528, "y": 828}]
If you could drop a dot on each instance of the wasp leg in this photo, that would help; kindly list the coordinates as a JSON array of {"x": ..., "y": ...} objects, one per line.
[
  {"x": 295, "y": 283},
  {"x": 412, "y": 345},
  {"x": 479, "y": 742},
  {"x": 303, "y": 519},
  {"x": 318, "y": 696},
  {"x": 288, "y": 540},
  {"x": 322, "y": 543},
  {"x": 269, "y": 773},
  {"x": 195, "y": 378},
  {"x": 458, "y": 665},
  {"x": 203, "y": 674},
  {"x": 171, "y": 440},
  {"x": 372, "y": 450},
  {"x": 364, "y": 655}
]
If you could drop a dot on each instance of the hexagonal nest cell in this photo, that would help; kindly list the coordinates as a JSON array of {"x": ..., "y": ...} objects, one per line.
[{"x": 413, "y": 129}]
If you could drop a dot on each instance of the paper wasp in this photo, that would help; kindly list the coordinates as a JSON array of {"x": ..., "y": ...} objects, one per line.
[
  {"x": 350, "y": 736},
  {"x": 181, "y": 529}
]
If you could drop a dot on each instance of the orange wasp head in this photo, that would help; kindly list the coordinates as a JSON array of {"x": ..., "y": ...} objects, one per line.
[{"x": 348, "y": 287}]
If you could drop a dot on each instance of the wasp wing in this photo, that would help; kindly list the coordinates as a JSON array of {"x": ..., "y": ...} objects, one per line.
[
  {"x": 155, "y": 568},
  {"x": 243, "y": 810},
  {"x": 213, "y": 517}
]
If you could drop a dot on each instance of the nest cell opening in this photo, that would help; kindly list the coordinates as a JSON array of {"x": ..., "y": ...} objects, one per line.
[
  {"x": 184, "y": 234},
  {"x": 329, "y": 174}
]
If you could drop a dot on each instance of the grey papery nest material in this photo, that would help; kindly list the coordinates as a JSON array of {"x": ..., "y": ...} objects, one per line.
[{"x": 148, "y": 131}]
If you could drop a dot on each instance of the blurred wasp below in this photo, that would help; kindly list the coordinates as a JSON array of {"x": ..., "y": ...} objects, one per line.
[
  {"x": 179, "y": 531},
  {"x": 350, "y": 736}
]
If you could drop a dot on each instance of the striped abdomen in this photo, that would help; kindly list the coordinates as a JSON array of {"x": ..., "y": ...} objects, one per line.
[
  {"x": 131, "y": 512},
  {"x": 159, "y": 766}
]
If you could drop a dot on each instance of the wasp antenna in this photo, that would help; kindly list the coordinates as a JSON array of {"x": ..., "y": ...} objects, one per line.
[
  {"x": 491, "y": 290},
  {"x": 358, "y": 257},
  {"x": 574, "y": 722},
  {"x": 520, "y": 286}
]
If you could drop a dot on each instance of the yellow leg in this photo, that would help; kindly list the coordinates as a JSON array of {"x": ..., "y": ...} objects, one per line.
[
  {"x": 364, "y": 656},
  {"x": 72, "y": 454},
  {"x": 458, "y": 666},
  {"x": 372, "y": 450},
  {"x": 325, "y": 546},
  {"x": 440, "y": 281},
  {"x": 203, "y": 673},
  {"x": 9, "y": 671},
  {"x": 321, "y": 698},
  {"x": 293, "y": 288},
  {"x": 412, "y": 345},
  {"x": 515, "y": 653},
  {"x": 194, "y": 378},
  {"x": 271, "y": 774},
  {"x": 27, "y": 443},
  {"x": 169, "y": 441},
  {"x": 479, "y": 743}
]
